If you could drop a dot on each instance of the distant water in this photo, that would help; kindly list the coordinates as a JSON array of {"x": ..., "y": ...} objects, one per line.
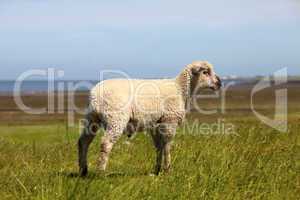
[{"x": 42, "y": 86}]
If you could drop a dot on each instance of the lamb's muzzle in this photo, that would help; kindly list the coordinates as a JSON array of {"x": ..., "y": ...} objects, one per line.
[{"x": 217, "y": 84}]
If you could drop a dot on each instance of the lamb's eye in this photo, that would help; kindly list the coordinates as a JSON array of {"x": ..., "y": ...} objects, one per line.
[{"x": 205, "y": 73}]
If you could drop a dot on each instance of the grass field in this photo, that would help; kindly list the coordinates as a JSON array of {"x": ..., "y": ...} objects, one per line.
[{"x": 38, "y": 159}]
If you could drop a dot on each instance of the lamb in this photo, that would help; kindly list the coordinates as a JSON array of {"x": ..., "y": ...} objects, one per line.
[{"x": 159, "y": 106}]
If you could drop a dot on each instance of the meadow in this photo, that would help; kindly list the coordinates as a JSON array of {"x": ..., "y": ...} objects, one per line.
[{"x": 38, "y": 156}]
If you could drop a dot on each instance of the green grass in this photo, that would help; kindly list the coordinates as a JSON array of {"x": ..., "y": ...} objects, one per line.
[{"x": 40, "y": 162}]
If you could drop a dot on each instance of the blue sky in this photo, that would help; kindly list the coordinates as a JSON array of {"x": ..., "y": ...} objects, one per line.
[{"x": 149, "y": 38}]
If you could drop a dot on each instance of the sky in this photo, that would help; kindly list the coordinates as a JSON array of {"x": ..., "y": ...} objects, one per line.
[{"x": 149, "y": 38}]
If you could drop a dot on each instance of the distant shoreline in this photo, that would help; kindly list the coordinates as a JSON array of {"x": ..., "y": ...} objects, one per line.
[{"x": 40, "y": 87}]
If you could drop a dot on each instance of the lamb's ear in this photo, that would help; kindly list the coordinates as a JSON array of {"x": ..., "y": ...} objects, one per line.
[{"x": 196, "y": 70}]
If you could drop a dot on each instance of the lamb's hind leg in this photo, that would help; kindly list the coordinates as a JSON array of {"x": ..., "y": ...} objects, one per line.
[
  {"x": 111, "y": 136},
  {"x": 88, "y": 133}
]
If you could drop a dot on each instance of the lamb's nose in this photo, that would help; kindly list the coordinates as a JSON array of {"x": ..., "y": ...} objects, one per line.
[{"x": 219, "y": 82}]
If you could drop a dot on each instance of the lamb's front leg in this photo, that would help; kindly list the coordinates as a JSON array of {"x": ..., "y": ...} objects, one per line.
[
  {"x": 162, "y": 140},
  {"x": 159, "y": 158},
  {"x": 157, "y": 141},
  {"x": 167, "y": 156},
  {"x": 167, "y": 136}
]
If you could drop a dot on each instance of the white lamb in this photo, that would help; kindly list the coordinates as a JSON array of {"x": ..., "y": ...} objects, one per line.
[{"x": 126, "y": 105}]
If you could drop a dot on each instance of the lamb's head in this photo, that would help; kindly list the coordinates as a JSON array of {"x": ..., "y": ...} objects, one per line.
[{"x": 203, "y": 76}]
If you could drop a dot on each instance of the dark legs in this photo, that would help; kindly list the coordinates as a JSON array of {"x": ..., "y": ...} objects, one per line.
[
  {"x": 162, "y": 136},
  {"x": 86, "y": 137}
]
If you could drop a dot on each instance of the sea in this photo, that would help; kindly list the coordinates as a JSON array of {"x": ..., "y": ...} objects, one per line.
[
  {"x": 32, "y": 86},
  {"x": 40, "y": 86}
]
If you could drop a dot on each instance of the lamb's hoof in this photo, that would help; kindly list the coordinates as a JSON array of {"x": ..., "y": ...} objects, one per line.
[
  {"x": 83, "y": 172},
  {"x": 167, "y": 170},
  {"x": 157, "y": 171}
]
